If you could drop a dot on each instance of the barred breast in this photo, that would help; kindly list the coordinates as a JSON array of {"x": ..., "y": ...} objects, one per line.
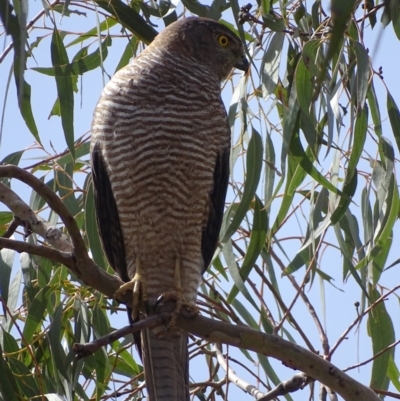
[{"x": 161, "y": 124}]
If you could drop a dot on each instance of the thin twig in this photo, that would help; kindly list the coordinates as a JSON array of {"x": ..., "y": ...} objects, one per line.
[
  {"x": 373, "y": 357},
  {"x": 84, "y": 350},
  {"x": 359, "y": 317},
  {"x": 233, "y": 377}
]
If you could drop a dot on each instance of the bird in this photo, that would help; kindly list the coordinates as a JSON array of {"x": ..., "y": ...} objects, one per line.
[{"x": 160, "y": 147}]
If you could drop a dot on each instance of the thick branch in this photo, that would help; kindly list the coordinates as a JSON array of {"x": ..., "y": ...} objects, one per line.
[{"x": 289, "y": 353}]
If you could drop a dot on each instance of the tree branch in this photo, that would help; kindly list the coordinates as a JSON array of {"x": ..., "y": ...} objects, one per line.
[
  {"x": 52, "y": 200},
  {"x": 53, "y": 235},
  {"x": 49, "y": 253},
  {"x": 289, "y": 353},
  {"x": 79, "y": 261},
  {"x": 234, "y": 378}
]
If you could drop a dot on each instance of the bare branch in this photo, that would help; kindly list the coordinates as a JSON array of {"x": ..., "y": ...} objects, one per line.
[
  {"x": 53, "y": 235},
  {"x": 234, "y": 378},
  {"x": 373, "y": 357},
  {"x": 49, "y": 253},
  {"x": 53, "y": 201},
  {"x": 289, "y": 353},
  {"x": 295, "y": 383},
  {"x": 84, "y": 350}
]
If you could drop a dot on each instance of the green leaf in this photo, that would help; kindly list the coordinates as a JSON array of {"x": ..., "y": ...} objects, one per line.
[
  {"x": 94, "y": 32},
  {"x": 80, "y": 65},
  {"x": 304, "y": 87},
  {"x": 92, "y": 231},
  {"x": 130, "y": 19},
  {"x": 13, "y": 298},
  {"x": 341, "y": 14},
  {"x": 55, "y": 335},
  {"x": 229, "y": 257},
  {"x": 129, "y": 52},
  {"x": 254, "y": 162},
  {"x": 350, "y": 185},
  {"x": 81, "y": 149},
  {"x": 36, "y": 313},
  {"x": 349, "y": 189},
  {"x": 59, "y": 57},
  {"x": 394, "y": 117},
  {"x": 257, "y": 242},
  {"x": 289, "y": 125},
  {"x": 269, "y": 170},
  {"x": 270, "y": 64},
  {"x": 304, "y": 159},
  {"x": 386, "y": 223},
  {"x": 15, "y": 26},
  {"x": 310, "y": 56},
  {"x": 26, "y": 109},
  {"x": 195, "y": 7},
  {"x": 217, "y": 264},
  {"x": 6, "y": 263},
  {"x": 393, "y": 373},
  {"x": 296, "y": 175},
  {"x": 363, "y": 73},
  {"x": 375, "y": 113},
  {"x": 381, "y": 331},
  {"x": 8, "y": 384},
  {"x": 64, "y": 182}
]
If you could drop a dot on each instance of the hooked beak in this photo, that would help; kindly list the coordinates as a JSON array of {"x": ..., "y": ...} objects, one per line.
[{"x": 242, "y": 63}]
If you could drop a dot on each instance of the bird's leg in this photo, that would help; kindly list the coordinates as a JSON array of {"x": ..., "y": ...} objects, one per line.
[
  {"x": 138, "y": 286},
  {"x": 175, "y": 295}
]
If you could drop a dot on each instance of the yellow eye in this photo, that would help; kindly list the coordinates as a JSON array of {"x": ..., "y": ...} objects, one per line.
[{"x": 223, "y": 40}]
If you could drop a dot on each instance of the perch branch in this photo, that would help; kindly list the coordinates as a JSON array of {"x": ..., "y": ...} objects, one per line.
[{"x": 289, "y": 353}]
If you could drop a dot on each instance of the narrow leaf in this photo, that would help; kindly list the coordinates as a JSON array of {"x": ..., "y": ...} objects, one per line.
[
  {"x": 363, "y": 73},
  {"x": 394, "y": 117},
  {"x": 257, "y": 242},
  {"x": 65, "y": 92},
  {"x": 381, "y": 331},
  {"x": 254, "y": 161}
]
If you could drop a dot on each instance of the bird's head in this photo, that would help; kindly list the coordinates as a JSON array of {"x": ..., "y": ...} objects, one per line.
[{"x": 208, "y": 42}]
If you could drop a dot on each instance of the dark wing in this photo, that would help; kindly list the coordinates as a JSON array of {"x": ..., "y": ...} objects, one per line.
[
  {"x": 210, "y": 234},
  {"x": 107, "y": 215}
]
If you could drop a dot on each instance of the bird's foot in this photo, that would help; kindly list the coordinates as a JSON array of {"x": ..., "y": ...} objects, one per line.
[
  {"x": 190, "y": 310},
  {"x": 176, "y": 296},
  {"x": 139, "y": 289}
]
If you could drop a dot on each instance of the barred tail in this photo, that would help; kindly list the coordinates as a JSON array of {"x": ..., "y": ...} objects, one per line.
[{"x": 166, "y": 365}]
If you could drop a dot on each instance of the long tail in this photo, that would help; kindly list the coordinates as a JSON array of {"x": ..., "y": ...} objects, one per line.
[{"x": 166, "y": 365}]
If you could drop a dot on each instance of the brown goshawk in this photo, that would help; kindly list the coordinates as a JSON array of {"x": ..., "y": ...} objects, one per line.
[{"x": 160, "y": 162}]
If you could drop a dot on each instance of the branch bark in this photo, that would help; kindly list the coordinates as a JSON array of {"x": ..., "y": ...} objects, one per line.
[{"x": 290, "y": 354}]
